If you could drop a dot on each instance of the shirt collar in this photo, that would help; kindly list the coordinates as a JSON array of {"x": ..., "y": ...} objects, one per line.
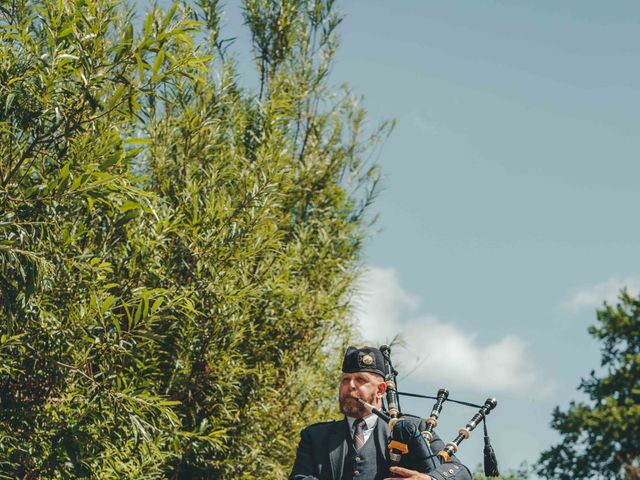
[{"x": 370, "y": 420}]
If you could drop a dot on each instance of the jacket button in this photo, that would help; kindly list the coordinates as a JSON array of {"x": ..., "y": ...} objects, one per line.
[
  {"x": 358, "y": 459},
  {"x": 356, "y": 473}
]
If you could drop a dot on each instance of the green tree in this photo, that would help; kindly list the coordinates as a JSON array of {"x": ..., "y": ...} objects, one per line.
[
  {"x": 523, "y": 472},
  {"x": 176, "y": 252},
  {"x": 600, "y": 438}
]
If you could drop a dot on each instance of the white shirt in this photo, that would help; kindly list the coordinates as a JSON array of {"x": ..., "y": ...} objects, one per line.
[{"x": 370, "y": 420}]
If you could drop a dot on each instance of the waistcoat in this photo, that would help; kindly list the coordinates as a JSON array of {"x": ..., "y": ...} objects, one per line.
[{"x": 364, "y": 464}]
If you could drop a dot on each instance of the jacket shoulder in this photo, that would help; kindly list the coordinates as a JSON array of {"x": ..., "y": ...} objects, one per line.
[
  {"x": 412, "y": 418},
  {"x": 408, "y": 416},
  {"x": 322, "y": 430},
  {"x": 320, "y": 426}
]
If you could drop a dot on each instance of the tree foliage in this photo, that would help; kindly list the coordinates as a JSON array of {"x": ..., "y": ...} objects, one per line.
[
  {"x": 600, "y": 438},
  {"x": 522, "y": 472},
  {"x": 176, "y": 251}
]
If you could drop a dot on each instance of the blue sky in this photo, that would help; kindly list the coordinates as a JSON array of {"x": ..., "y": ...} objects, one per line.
[
  {"x": 508, "y": 213},
  {"x": 509, "y": 206}
]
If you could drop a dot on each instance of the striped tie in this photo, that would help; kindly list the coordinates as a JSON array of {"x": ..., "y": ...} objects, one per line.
[{"x": 359, "y": 427}]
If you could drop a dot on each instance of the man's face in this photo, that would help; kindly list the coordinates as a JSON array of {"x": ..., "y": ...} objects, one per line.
[{"x": 368, "y": 386}]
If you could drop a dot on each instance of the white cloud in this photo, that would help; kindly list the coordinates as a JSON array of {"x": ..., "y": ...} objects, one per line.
[
  {"x": 593, "y": 296},
  {"x": 439, "y": 351},
  {"x": 382, "y": 303}
]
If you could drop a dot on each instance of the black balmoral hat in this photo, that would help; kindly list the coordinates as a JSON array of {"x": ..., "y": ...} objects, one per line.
[{"x": 365, "y": 359}]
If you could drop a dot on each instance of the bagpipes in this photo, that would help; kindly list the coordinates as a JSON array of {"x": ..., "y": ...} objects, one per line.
[{"x": 407, "y": 442}]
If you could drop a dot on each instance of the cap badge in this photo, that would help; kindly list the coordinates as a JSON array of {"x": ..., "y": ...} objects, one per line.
[{"x": 367, "y": 360}]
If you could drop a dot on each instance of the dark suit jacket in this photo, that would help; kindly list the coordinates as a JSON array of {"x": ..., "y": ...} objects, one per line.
[{"x": 324, "y": 446}]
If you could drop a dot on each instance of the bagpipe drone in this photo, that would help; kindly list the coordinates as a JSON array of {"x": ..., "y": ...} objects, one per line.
[{"x": 408, "y": 445}]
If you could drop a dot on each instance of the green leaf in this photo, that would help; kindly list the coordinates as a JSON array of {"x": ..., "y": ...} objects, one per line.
[
  {"x": 129, "y": 205},
  {"x": 110, "y": 161},
  {"x": 169, "y": 16},
  {"x": 157, "y": 304},
  {"x": 148, "y": 24},
  {"x": 157, "y": 64},
  {"x": 9, "y": 101},
  {"x": 138, "y": 141},
  {"x": 107, "y": 303}
]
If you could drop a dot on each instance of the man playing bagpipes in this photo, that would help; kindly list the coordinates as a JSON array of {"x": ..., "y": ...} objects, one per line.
[{"x": 363, "y": 446}]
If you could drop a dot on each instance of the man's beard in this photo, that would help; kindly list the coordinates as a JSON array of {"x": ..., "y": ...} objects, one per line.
[{"x": 353, "y": 408}]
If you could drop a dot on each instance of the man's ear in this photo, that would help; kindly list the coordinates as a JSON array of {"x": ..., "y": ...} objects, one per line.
[{"x": 382, "y": 387}]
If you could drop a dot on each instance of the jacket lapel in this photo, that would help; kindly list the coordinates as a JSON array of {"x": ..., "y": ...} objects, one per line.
[{"x": 338, "y": 448}]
